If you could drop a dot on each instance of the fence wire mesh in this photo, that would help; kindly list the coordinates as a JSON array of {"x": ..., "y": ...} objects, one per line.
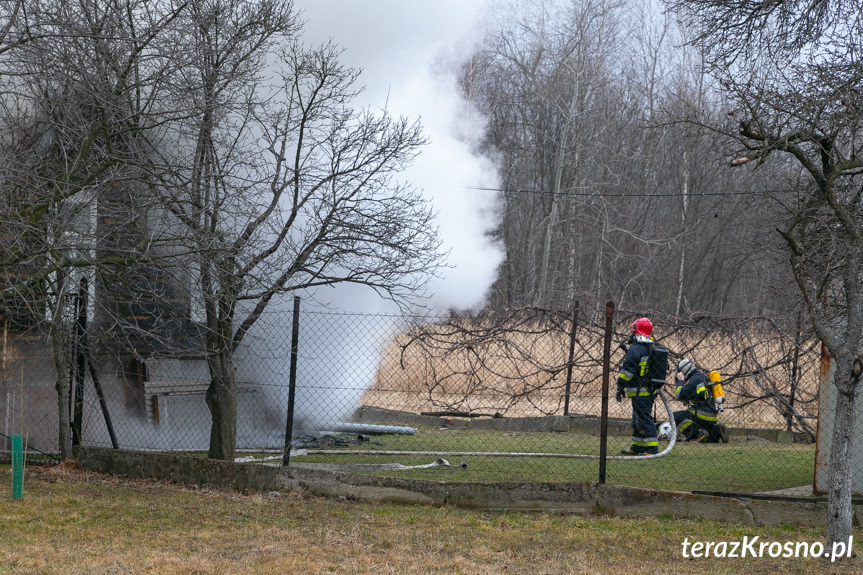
[{"x": 515, "y": 396}]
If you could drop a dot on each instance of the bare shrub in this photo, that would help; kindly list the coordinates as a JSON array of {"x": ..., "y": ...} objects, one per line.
[{"x": 516, "y": 364}]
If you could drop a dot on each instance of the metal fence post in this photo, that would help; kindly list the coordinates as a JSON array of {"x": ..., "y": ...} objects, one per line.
[
  {"x": 17, "y": 466},
  {"x": 102, "y": 401},
  {"x": 80, "y": 359},
  {"x": 606, "y": 369},
  {"x": 571, "y": 358},
  {"x": 292, "y": 380}
]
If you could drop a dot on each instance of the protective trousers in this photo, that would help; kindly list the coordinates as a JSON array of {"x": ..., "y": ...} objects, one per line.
[
  {"x": 691, "y": 422},
  {"x": 644, "y": 438}
]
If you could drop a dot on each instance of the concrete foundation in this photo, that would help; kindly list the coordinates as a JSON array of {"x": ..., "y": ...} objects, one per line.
[{"x": 581, "y": 498}]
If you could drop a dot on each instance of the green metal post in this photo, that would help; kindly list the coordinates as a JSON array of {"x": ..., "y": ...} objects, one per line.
[{"x": 17, "y": 466}]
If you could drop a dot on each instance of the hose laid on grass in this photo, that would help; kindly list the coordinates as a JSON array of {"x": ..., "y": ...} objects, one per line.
[
  {"x": 663, "y": 453},
  {"x": 671, "y": 440}
]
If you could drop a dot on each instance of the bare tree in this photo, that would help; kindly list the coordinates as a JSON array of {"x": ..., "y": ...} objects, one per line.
[
  {"x": 543, "y": 76},
  {"x": 147, "y": 139},
  {"x": 791, "y": 76},
  {"x": 602, "y": 195},
  {"x": 75, "y": 91},
  {"x": 282, "y": 186},
  {"x": 12, "y": 32}
]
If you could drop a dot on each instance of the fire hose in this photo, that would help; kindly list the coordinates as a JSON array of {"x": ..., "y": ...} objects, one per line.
[
  {"x": 672, "y": 436},
  {"x": 663, "y": 453}
]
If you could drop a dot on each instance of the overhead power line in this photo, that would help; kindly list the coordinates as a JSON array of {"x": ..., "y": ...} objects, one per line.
[{"x": 623, "y": 194}]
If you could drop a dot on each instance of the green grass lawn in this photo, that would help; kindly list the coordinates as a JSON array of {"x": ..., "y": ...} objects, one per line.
[{"x": 739, "y": 466}]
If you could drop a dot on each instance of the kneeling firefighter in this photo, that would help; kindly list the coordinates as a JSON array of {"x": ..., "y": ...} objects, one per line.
[
  {"x": 642, "y": 374},
  {"x": 700, "y": 421}
]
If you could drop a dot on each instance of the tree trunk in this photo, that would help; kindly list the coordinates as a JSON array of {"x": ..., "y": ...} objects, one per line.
[
  {"x": 839, "y": 511},
  {"x": 542, "y": 292},
  {"x": 222, "y": 402},
  {"x": 542, "y": 298},
  {"x": 685, "y": 207},
  {"x": 62, "y": 386}
]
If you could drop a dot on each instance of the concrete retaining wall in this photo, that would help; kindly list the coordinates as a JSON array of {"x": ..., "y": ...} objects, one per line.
[
  {"x": 582, "y": 498},
  {"x": 180, "y": 468},
  {"x": 586, "y": 424}
]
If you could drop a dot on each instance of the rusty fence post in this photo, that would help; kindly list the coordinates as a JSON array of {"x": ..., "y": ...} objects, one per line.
[{"x": 606, "y": 370}]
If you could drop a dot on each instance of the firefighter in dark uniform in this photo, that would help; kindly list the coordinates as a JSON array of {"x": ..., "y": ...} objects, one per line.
[
  {"x": 700, "y": 421},
  {"x": 634, "y": 383}
]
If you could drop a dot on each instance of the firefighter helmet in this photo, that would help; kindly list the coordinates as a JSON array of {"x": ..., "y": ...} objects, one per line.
[
  {"x": 685, "y": 366},
  {"x": 642, "y": 326}
]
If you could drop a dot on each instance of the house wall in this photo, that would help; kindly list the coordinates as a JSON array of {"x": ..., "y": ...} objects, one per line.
[{"x": 28, "y": 405}]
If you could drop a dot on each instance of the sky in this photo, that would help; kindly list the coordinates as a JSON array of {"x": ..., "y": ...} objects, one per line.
[{"x": 400, "y": 44}]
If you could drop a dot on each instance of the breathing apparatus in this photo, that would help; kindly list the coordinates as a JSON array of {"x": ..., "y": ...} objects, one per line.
[{"x": 715, "y": 384}]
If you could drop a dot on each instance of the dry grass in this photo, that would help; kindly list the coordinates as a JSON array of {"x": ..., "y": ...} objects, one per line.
[
  {"x": 523, "y": 374},
  {"x": 73, "y": 522}
]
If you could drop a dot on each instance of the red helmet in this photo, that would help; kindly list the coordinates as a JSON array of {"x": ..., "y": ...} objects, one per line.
[{"x": 642, "y": 326}]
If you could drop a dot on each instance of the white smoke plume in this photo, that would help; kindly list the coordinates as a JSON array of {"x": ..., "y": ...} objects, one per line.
[{"x": 406, "y": 50}]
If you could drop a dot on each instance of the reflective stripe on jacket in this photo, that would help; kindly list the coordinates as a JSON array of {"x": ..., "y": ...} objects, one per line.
[
  {"x": 695, "y": 391},
  {"x": 633, "y": 378}
]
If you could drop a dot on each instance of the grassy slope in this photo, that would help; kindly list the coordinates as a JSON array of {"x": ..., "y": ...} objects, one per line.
[{"x": 75, "y": 522}]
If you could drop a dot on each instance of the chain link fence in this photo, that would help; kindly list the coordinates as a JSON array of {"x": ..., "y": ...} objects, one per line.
[{"x": 503, "y": 396}]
